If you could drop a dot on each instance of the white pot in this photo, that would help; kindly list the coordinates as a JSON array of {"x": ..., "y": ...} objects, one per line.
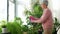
[
  {"x": 58, "y": 32},
  {"x": 4, "y": 30}
]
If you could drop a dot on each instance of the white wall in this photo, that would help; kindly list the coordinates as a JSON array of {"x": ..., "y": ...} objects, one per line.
[
  {"x": 54, "y": 5},
  {"x": 56, "y": 8}
]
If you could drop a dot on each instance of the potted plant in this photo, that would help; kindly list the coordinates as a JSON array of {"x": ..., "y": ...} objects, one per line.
[
  {"x": 36, "y": 12},
  {"x": 15, "y": 27},
  {"x": 25, "y": 29},
  {"x": 56, "y": 24},
  {"x": 4, "y": 28}
]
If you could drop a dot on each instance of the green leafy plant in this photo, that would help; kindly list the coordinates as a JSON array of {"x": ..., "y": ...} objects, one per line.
[
  {"x": 56, "y": 24},
  {"x": 0, "y": 30},
  {"x": 3, "y": 23},
  {"x": 25, "y": 28},
  {"x": 36, "y": 12},
  {"x": 16, "y": 26}
]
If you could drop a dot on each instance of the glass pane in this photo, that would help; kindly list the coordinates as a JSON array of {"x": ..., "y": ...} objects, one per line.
[
  {"x": 3, "y": 10},
  {"x": 11, "y": 11},
  {"x": 21, "y": 7}
]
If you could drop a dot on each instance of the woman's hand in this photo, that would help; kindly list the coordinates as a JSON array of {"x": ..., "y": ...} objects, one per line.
[{"x": 32, "y": 19}]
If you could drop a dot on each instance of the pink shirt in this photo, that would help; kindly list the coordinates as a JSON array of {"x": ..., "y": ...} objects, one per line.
[{"x": 46, "y": 19}]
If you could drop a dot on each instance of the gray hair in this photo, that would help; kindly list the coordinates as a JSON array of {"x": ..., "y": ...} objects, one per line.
[{"x": 43, "y": 1}]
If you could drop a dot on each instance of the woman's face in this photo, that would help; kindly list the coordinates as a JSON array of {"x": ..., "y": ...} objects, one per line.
[{"x": 43, "y": 6}]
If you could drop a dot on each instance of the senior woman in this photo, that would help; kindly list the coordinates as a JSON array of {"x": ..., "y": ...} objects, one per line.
[{"x": 46, "y": 19}]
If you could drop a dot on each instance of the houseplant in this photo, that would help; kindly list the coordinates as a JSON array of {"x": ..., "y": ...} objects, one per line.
[
  {"x": 4, "y": 29},
  {"x": 36, "y": 12},
  {"x": 56, "y": 24},
  {"x": 25, "y": 29},
  {"x": 15, "y": 27},
  {"x": 0, "y": 30}
]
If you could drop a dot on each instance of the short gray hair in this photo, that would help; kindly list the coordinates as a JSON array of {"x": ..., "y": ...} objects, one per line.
[{"x": 43, "y": 1}]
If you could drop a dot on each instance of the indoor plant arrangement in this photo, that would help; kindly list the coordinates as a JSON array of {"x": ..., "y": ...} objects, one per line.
[
  {"x": 36, "y": 12},
  {"x": 16, "y": 26}
]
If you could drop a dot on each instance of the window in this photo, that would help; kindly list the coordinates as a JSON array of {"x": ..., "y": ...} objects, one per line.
[
  {"x": 3, "y": 10},
  {"x": 22, "y": 4},
  {"x": 11, "y": 11}
]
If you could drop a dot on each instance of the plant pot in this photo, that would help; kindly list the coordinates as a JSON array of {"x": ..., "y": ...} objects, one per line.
[
  {"x": 24, "y": 32},
  {"x": 4, "y": 30},
  {"x": 6, "y": 33}
]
